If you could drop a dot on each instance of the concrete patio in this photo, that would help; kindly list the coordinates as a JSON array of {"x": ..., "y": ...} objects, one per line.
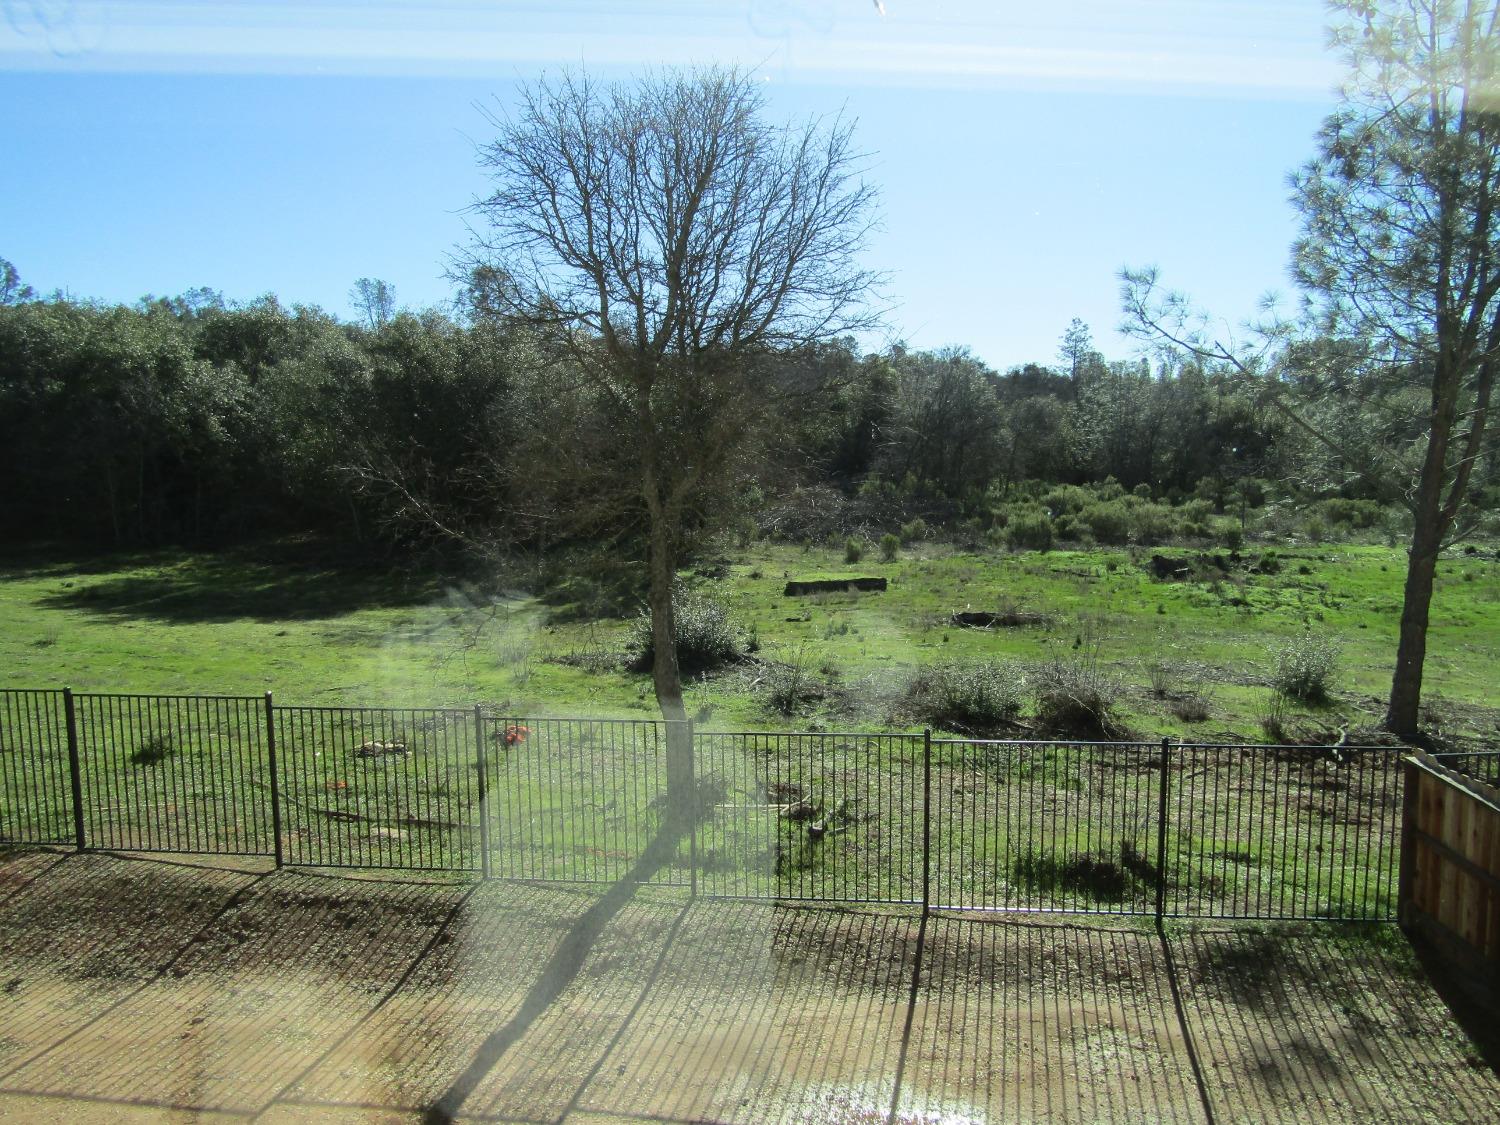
[{"x": 150, "y": 989}]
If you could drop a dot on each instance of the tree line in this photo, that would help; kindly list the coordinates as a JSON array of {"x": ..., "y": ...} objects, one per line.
[{"x": 193, "y": 421}]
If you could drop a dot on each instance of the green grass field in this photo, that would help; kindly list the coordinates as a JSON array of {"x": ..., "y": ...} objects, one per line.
[
  {"x": 1250, "y": 833},
  {"x": 277, "y": 619}
]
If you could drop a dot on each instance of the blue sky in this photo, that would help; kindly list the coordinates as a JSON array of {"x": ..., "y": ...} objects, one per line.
[{"x": 1023, "y": 156}]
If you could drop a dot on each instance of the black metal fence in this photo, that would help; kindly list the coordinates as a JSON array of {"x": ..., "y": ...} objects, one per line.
[
  {"x": 574, "y": 800},
  {"x": 36, "y": 793},
  {"x": 1481, "y": 765},
  {"x": 811, "y": 816},
  {"x": 1130, "y": 828},
  {"x": 377, "y": 787},
  {"x": 172, "y": 773}
]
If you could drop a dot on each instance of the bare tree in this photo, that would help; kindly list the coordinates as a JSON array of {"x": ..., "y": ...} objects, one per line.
[
  {"x": 375, "y": 300},
  {"x": 667, "y": 239}
]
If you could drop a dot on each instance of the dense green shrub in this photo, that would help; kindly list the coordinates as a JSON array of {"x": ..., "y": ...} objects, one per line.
[
  {"x": 889, "y": 546},
  {"x": 1197, "y": 510},
  {"x": 913, "y": 531},
  {"x": 707, "y": 636},
  {"x": 974, "y": 698},
  {"x": 1031, "y": 531},
  {"x": 1109, "y": 489},
  {"x": 1304, "y": 668},
  {"x": 854, "y": 550},
  {"x": 1152, "y": 524},
  {"x": 1066, "y": 498},
  {"x": 1109, "y": 522},
  {"x": 1357, "y": 514}
]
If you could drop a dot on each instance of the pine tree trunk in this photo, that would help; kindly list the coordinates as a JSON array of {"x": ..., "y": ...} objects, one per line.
[
  {"x": 1411, "y": 650},
  {"x": 1429, "y": 526}
]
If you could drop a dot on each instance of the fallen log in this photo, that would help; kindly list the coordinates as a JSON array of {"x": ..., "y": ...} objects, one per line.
[
  {"x": 1004, "y": 619},
  {"x": 799, "y": 587}
]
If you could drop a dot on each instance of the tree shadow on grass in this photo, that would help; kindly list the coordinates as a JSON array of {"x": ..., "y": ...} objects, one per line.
[{"x": 198, "y": 588}]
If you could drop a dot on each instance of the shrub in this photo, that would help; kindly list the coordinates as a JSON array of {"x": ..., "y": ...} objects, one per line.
[
  {"x": 1109, "y": 489},
  {"x": 1109, "y": 522},
  {"x": 790, "y": 684},
  {"x": 1230, "y": 535},
  {"x": 854, "y": 550},
  {"x": 1031, "y": 531},
  {"x": 1197, "y": 511},
  {"x": 1162, "y": 675},
  {"x": 1273, "y": 717},
  {"x": 706, "y": 635},
  {"x": 1153, "y": 524},
  {"x": 1067, "y": 498},
  {"x": 913, "y": 531},
  {"x": 889, "y": 546},
  {"x": 1359, "y": 514},
  {"x": 1141, "y": 491},
  {"x": 1075, "y": 698},
  {"x": 1305, "y": 667},
  {"x": 1192, "y": 707},
  {"x": 974, "y": 698}
]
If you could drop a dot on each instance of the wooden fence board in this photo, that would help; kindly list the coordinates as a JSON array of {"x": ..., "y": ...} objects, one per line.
[{"x": 1451, "y": 845}]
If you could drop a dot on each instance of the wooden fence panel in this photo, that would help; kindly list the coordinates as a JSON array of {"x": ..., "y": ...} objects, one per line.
[{"x": 1450, "y": 886}]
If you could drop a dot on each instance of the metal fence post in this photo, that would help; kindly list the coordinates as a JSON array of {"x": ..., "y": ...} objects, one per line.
[
  {"x": 484, "y": 793},
  {"x": 75, "y": 768},
  {"x": 693, "y": 809},
  {"x": 275, "y": 781},
  {"x": 1163, "y": 789},
  {"x": 926, "y": 821}
]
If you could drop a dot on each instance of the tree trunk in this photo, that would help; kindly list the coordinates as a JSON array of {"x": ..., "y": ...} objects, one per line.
[
  {"x": 1429, "y": 527},
  {"x": 1411, "y": 650},
  {"x": 114, "y": 502},
  {"x": 666, "y": 676}
]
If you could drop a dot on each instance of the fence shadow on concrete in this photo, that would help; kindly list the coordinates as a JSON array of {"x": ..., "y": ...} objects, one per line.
[{"x": 150, "y": 984}]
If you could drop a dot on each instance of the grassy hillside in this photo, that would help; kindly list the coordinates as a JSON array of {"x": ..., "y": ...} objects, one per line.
[{"x": 1190, "y": 656}]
